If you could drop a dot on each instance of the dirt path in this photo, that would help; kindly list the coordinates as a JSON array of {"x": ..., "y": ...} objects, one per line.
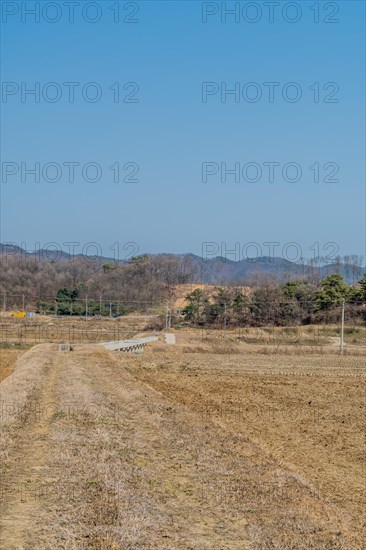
[
  {"x": 103, "y": 461},
  {"x": 28, "y": 465}
]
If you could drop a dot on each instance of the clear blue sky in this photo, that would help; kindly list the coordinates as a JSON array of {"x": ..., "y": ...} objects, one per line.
[{"x": 170, "y": 132}]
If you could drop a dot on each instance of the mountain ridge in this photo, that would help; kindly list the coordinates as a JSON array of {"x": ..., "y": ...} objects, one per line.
[{"x": 214, "y": 270}]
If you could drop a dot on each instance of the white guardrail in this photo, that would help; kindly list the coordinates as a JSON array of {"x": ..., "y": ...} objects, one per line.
[{"x": 129, "y": 345}]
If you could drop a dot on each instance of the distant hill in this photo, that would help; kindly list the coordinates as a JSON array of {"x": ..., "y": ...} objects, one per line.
[
  {"x": 220, "y": 270},
  {"x": 45, "y": 254}
]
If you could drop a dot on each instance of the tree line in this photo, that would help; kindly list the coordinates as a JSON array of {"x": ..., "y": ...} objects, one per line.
[
  {"x": 296, "y": 302},
  {"x": 146, "y": 283},
  {"x": 136, "y": 285}
]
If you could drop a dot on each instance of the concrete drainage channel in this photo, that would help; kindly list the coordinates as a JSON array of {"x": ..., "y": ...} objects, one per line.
[
  {"x": 129, "y": 345},
  {"x": 134, "y": 344}
]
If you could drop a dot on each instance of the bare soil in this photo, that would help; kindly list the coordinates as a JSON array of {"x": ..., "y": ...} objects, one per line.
[{"x": 172, "y": 450}]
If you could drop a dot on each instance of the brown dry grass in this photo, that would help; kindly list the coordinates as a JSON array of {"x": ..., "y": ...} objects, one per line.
[
  {"x": 44, "y": 329},
  {"x": 310, "y": 340},
  {"x": 8, "y": 358},
  {"x": 184, "y": 450}
]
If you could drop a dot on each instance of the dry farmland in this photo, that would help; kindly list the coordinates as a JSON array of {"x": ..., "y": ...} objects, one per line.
[{"x": 210, "y": 444}]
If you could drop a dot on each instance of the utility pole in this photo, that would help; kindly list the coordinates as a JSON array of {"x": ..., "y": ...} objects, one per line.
[
  {"x": 4, "y": 302},
  {"x": 110, "y": 309},
  {"x": 23, "y": 301},
  {"x": 225, "y": 321},
  {"x": 86, "y": 307},
  {"x": 342, "y": 327},
  {"x": 168, "y": 318},
  {"x": 100, "y": 305}
]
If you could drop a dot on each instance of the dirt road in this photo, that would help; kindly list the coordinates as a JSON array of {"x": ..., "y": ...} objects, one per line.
[{"x": 93, "y": 458}]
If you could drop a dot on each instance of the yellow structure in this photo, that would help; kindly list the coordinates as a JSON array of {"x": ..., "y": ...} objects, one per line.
[{"x": 18, "y": 314}]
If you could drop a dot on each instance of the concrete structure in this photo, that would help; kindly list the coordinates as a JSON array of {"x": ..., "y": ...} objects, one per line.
[
  {"x": 129, "y": 345},
  {"x": 64, "y": 347},
  {"x": 170, "y": 339}
]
